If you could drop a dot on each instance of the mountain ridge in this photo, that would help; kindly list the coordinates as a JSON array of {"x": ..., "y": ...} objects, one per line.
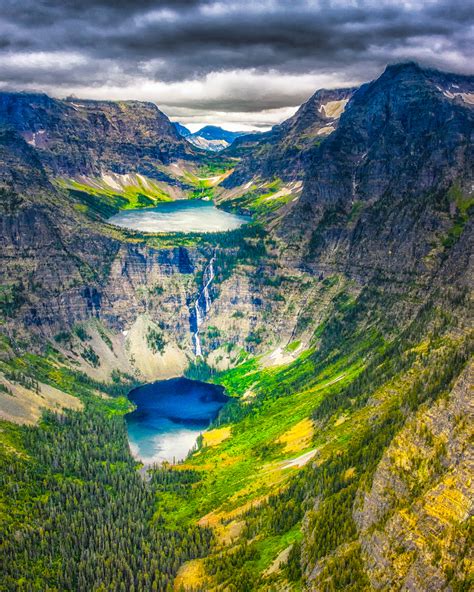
[
  {"x": 116, "y": 136},
  {"x": 281, "y": 150}
]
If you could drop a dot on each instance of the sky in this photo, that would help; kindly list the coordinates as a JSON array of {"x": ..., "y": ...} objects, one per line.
[{"x": 240, "y": 64}]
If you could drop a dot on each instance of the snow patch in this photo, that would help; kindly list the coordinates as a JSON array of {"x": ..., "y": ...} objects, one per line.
[
  {"x": 112, "y": 182},
  {"x": 465, "y": 96},
  {"x": 34, "y": 138}
]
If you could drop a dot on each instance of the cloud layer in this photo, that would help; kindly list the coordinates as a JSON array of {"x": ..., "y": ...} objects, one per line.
[{"x": 242, "y": 62}]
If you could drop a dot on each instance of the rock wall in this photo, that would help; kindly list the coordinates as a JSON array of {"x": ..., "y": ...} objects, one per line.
[
  {"x": 413, "y": 521},
  {"x": 81, "y": 137}
]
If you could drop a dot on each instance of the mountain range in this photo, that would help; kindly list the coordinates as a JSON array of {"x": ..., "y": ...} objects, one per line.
[
  {"x": 339, "y": 321},
  {"x": 210, "y": 137}
]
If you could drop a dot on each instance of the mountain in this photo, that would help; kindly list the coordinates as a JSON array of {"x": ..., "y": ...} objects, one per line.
[
  {"x": 212, "y": 132},
  {"x": 213, "y": 138},
  {"x": 403, "y": 142},
  {"x": 281, "y": 151},
  {"x": 182, "y": 130},
  {"x": 81, "y": 137},
  {"x": 339, "y": 322},
  {"x": 406, "y": 111}
]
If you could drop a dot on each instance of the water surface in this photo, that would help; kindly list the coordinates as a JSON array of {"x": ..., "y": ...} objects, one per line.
[
  {"x": 179, "y": 216},
  {"x": 170, "y": 415}
]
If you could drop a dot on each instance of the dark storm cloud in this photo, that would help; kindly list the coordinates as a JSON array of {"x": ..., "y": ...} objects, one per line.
[{"x": 80, "y": 45}]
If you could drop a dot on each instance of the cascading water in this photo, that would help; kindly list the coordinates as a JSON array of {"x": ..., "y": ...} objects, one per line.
[{"x": 202, "y": 305}]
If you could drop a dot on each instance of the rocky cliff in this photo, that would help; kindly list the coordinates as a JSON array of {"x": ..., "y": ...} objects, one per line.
[
  {"x": 413, "y": 519},
  {"x": 281, "y": 152},
  {"x": 393, "y": 183},
  {"x": 406, "y": 133},
  {"x": 80, "y": 137}
]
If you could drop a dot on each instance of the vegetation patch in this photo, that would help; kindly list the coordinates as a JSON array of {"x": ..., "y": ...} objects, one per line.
[
  {"x": 155, "y": 340},
  {"x": 262, "y": 200},
  {"x": 126, "y": 192}
]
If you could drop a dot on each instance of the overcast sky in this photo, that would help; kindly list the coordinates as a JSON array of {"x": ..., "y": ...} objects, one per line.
[{"x": 244, "y": 64}]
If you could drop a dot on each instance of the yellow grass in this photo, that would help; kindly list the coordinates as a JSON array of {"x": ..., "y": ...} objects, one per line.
[
  {"x": 190, "y": 575},
  {"x": 447, "y": 502},
  {"x": 227, "y": 524},
  {"x": 298, "y": 437},
  {"x": 215, "y": 437},
  {"x": 349, "y": 473},
  {"x": 340, "y": 420}
]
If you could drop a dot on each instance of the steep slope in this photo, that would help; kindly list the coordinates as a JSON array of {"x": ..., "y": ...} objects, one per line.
[
  {"x": 269, "y": 168},
  {"x": 182, "y": 130},
  {"x": 400, "y": 137},
  {"x": 281, "y": 151},
  {"x": 414, "y": 518},
  {"x": 77, "y": 137},
  {"x": 20, "y": 166},
  {"x": 396, "y": 177}
]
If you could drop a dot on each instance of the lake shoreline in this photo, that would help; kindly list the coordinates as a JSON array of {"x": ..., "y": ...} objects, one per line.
[{"x": 169, "y": 416}]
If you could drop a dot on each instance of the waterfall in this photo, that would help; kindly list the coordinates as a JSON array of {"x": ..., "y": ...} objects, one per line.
[{"x": 202, "y": 305}]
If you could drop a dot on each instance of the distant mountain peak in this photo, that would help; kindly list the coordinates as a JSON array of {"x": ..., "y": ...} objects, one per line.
[
  {"x": 214, "y": 132},
  {"x": 213, "y": 138},
  {"x": 408, "y": 66}
]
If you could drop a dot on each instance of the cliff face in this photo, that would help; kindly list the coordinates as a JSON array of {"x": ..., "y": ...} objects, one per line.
[
  {"x": 387, "y": 202},
  {"x": 282, "y": 151},
  {"x": 404, "y": 134},
  {"x": 413, "y": 519},
  {"x": 100, "y": 299},
  {"x": 77, "y": 137},
  {"x": 392, "y": 185},
  {"x": 65, "y": 271},
  {"x": 20, "y": 166}
]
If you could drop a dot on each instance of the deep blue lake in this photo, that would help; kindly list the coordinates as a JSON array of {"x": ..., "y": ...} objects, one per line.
[
  {"x": 170, "y": 415},
  {"x": 179, "y": 216}
]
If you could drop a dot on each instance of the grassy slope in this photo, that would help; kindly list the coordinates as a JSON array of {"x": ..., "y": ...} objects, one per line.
[
  {"x": 99, "y": 197},
  {"x": 358, "y": 388},
  {"x": 107, "y": 195},
  {"x": 263, "y": 200}
]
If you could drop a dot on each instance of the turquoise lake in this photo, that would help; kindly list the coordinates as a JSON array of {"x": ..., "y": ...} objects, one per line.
[
  {"x": 179, "y": 216},
  {"x": 169, "y": 416}
]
